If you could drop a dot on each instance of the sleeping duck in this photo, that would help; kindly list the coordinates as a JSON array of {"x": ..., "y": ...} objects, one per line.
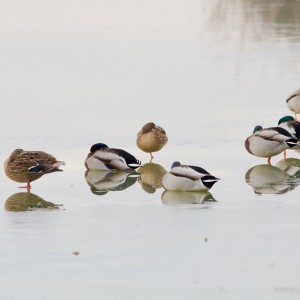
[
  {"x": 187, "y": 178},
  {"x": 101, "y": 157}
]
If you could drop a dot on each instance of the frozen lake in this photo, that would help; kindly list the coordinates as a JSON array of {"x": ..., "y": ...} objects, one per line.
[{"x": 77, "y": 73}]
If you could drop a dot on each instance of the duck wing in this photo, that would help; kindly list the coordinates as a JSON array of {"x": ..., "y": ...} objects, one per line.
[
  {"x": 276, "y": 134},
  {"x": 129, "y": 158},
  {"x": 187, "y": 172},
  {"x": 116, "y": 159},
  {"x": 199, "y": 170},
  {"x": 38, "y": 155},
  {"x": 45, "y": 167},
  {"x": 296, "y": 126},
  {"x": 39, "y": 161}
]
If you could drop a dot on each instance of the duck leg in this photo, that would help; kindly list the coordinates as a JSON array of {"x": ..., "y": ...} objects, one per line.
[
  {"x": 269, "y": 160},
  {"x": 284, "y": 154},
  {"x": 28, "y": 186},
  {"x": 151, "y": 157}
]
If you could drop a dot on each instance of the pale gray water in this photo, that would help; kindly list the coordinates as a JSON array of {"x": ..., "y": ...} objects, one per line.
[{"x": 76, "y": 73}]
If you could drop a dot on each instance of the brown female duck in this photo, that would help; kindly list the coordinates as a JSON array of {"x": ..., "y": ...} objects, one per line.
[
  {"x": 151, "y": 138},
  {"x": 27, "y": 166}
]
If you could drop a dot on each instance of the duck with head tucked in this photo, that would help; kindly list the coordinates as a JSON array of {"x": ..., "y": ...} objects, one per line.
[
  {"x": 101, "y": 157},
  {"x": 187, "y": 178},
  {"x": 269, "y": 142},
  {"x": 27, "y": 166},
  {"x": 151, "y": 138},
  {"x": 293, "y": 127}
]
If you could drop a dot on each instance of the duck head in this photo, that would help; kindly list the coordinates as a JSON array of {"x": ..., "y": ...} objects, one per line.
[
  {"x": 175, "y": 164},
  {"x": 98, "y": 146},
  {"x": 257, "y": 128},
  {"x": 286, "y": 119}
]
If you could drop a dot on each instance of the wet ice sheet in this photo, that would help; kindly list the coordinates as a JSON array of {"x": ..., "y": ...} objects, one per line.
[{"x": 207, "y": 73}]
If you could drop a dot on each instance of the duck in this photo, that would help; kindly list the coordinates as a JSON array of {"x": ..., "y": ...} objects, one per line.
[
  {"x": 151, "y": 138},
  {"x": 187, "y": 178},
  {"x": 269, "y": 142},
  {"x": 27, "y": 166},
  {"x": 293, "y": 102},
  {"x": 293, "y": 127},
  {"x": 101, "y": 157}
]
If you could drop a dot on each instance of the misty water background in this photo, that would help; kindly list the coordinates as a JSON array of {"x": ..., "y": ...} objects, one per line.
[{"x": 76, "y": 73}]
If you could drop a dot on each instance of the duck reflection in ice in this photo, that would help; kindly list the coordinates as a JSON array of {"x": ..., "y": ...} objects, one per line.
[
  {"x": 151, "y": 176},
  {"x": 26, "y": 201},
  {"x": 102, "y": 182},
  {"x": 291, "y": 166},
  {"x": 279, "y": 179},
  {"x": 184, "y": 198}
]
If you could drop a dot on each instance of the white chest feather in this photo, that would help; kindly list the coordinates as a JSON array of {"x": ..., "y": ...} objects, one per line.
[
  {"x": 95, "y": 164},
  {"x": 112, "y": 159},
  {"x": 177, "y": 183},
  {"x": 266, "y": 148}
]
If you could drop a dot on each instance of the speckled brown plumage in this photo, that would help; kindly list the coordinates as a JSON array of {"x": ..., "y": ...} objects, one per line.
[
  {"x": 27, "y": 166},
  {"x": 151, "y": 138}
]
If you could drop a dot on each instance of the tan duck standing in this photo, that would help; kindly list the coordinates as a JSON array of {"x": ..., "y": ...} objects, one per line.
[
  {"x": 151, "y": 138},
  {"x": 27, "y": 166}
]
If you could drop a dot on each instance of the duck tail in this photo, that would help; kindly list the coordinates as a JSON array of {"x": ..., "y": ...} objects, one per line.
[
  {"x": 134, "y": 166},
  {"x": 292, "y": 142},
  {"x": 57, "y": 165},
  {"x": 52, "y": 168},
  {"x": 209, "y": 180}
]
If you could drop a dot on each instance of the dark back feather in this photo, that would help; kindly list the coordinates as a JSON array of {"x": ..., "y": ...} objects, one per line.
[
  {"x": 282, "y": 131},
  {"x": 296, "y": 126},
  {"x": 199, "y": 169},
  {"x": 129, "y": 158}
]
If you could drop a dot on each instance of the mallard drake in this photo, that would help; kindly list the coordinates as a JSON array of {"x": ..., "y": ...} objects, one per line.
[
  {"x": 187, "y": 178},
  {"x": 101, "y": 157},
  {"x": 269, "y": 142},
  {"x": 292, "y": 126},
  {"x": 27, "y": 166},
  {"x": 151, "y": 138},
  {"x": 293, "y": 102}
]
